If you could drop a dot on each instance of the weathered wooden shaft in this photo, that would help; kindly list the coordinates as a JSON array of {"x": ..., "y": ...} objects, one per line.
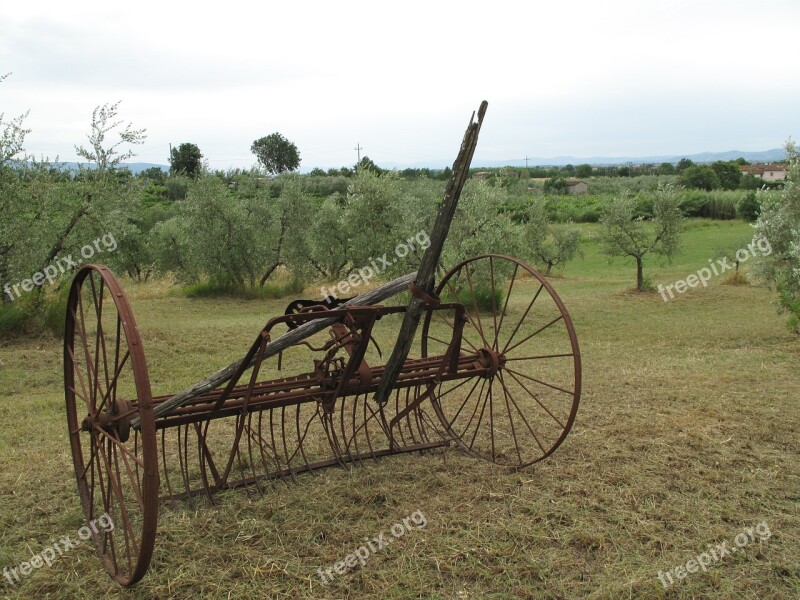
[{"x": 430, "y": 260}]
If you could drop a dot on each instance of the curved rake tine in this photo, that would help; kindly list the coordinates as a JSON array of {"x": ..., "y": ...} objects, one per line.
[
  {"x": 285, "y": 448},
  {"x": 250, "y": 461}
]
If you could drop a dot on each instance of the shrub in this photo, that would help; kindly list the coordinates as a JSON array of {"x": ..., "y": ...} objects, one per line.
[
  {"x": 748, "y": 208},
  {"x": 591, "y": 215},
  {"x": 482, "y": 297},
  {"x": 176, "y": 187},
  {"x": 693, "y": 202},
  {"x": 12, "y": 319},
  {"x": 736, "y": 278}
]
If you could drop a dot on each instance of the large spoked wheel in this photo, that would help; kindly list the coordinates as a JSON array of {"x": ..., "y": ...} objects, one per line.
[
  {"x": 106, "y": 386},
  {"x": 519, "y": 331}
]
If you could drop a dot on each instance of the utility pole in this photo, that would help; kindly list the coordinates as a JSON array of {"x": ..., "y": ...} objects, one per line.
[
  {"x": 526, "y": 161},
  {"x": 358, "y": 149}
]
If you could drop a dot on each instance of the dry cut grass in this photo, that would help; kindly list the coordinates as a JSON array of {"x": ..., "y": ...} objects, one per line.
[{"x": 687, "y": 435}]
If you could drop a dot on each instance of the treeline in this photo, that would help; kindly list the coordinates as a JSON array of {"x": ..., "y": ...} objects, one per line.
[{"x": 720, "y": 175}]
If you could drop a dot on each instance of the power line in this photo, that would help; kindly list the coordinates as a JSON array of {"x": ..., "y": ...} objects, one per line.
[{"x": 358, "y": 149}]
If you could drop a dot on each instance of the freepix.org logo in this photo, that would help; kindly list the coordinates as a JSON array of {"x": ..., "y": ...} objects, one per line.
[
  {"x": 60, "y": 265},
  {"x": 48, "y": 555},
  {"x": 715, "y": 268}
]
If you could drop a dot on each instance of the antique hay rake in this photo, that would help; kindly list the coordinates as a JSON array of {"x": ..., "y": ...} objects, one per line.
[{"x": 496, "y": 371}]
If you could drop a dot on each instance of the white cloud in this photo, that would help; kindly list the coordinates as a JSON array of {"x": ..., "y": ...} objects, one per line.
[{"x": 583, "y": 78}]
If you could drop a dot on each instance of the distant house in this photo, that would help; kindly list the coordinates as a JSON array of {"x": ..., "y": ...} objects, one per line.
[
  {"x": 575, "y": 186},
  {"x": 481, "y": 174},
  {"x": 772, "y": 172}
]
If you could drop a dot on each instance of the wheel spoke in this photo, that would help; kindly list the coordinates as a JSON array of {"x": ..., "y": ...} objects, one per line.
[
  {"x": 114, "y": 486},
  {"x": 570, "y": 354},
  {"x": 555, "y": 387},
  {"x": 113, "y": 387},
  {"x": 477, "y": 310},
  {"x": 511, "y": 420},
  {"x": 455, "y": 387},
  {"x": 463, "y": 404},
  {"x": 536, "y": 398},
  {"x": 443, "y": 318},
  {"x": 468, "y": 314},
  {"x": 522, "y": 318},
  {"x": 521, "y": 414},
  {"x": 480, "y": 419},
  {"x": 535, "y": 333},
  {"x": 494, "y": 310},
  {"x": 505, "y": 306},
  {"x": 125, "y": 452},
  {"x": 474, "y": 412},
  {"x": 89, "y": 371},
  {"x": 100, "y": 340}
]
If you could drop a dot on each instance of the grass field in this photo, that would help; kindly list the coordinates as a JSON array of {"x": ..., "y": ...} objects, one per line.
[{"x": 687, "y": 436}]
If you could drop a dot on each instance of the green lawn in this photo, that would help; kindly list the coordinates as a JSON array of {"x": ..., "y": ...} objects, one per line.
[{"x": 688, "y": 435}]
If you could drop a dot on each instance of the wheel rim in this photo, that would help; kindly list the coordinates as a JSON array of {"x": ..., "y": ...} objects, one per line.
[
  {"x": 106, "y": 385},
  {"x": 521, "y": 332}
]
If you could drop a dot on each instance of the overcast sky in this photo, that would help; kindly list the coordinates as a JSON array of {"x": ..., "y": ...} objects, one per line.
[{"x": 573, "y": 77}]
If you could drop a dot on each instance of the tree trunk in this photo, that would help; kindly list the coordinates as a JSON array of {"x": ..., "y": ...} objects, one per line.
[
  {"x": 639, "y": 274},
  {"x": 278, "y": 252}
]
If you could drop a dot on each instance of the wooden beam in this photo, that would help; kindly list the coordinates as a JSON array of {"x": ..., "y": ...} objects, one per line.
[{"x": 430, "y": 260}]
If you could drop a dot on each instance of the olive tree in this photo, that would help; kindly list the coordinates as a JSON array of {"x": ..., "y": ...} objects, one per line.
[
  {"x": 107, "y": 155},
  {"x": 549, "y": 245},
  {"x": 624, "y": 234},
  {"x": 372, "y": 218},
  {"x": 481, "y": 224},
  {"x": 237, "y": 238},
  {"x": 328, "y": 239},
  {"x": 779, "y": 224},
  {"x": 12, "y": 135}
]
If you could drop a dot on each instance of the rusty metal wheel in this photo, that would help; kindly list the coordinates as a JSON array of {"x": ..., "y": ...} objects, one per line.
[
  {"x": 521, "y": 410},
  {"x": 106, "y": 385}
]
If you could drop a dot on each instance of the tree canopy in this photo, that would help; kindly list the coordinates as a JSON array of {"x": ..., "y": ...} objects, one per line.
[
  {"x": 276, "y": 154},
  {"x": 186, "y": 159},
  {"x": 779, "y": 227}
]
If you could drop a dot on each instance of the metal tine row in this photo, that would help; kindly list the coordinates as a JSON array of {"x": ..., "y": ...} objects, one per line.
[{"x": 280, "y": 443}]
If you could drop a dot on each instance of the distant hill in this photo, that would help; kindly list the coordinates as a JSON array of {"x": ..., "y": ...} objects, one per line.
[{"x": 765, "y": 156}]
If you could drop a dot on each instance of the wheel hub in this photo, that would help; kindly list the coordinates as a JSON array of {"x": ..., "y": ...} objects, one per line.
[
  {"x": 111, "y": 422},
  {"x": 491, "y": 360}
]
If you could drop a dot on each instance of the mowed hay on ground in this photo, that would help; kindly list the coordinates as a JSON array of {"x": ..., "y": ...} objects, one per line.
[{"x": 687, "y": 436}]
